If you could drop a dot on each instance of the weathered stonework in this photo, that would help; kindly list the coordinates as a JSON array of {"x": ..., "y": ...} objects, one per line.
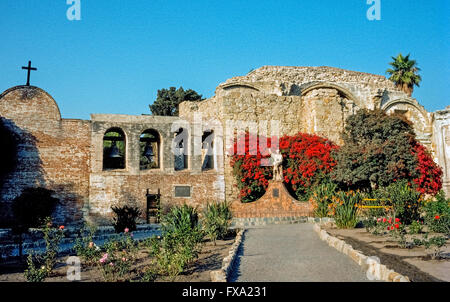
[{"x": 67, "y": 155}]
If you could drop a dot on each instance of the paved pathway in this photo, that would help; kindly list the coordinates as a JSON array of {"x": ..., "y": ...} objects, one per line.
[{"x": 292, "y": 253}]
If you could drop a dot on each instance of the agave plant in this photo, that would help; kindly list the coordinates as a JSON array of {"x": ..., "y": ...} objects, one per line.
[{"x": 404, "y": 73}]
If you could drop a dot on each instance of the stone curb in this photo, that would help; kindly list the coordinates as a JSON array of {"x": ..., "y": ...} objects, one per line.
[
  {"x": 374, "y": 269},
  {"x": 222, "y": 274},
  {"x": 262, "y": 221}
]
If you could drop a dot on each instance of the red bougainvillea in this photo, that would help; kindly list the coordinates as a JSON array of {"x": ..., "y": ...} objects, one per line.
[
  {"x": 429, "y": 173},
  {"x": 251, "y": 172},
  {"x": 307, "y": 160}
]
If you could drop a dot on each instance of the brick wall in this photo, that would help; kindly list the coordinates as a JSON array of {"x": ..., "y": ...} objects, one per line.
[{"x": 53, "y": 153}]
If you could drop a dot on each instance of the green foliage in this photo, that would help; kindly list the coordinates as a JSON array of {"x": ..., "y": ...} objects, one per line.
[
  {"x": 85, "y": 247},
  {"x": 437, "y": 214},
  {"x": 344, "y": 208},
  {"x": 181, "y": 239},
  {"x": 376, "y": 151},
  {"x": 416, "y": 227},
  {"x": 322, "y": 198},
  {"x": 52, "y": 238},
  {"x": 152, "y": 244},
  {"x": 115, "y": 267},
  {"x": 217, "y": 220},
  {"x": 120, "y": 253},
  {"x": 404, "y": 73},
  {"x": 41, "y": 266},
  {"x": 434, "y": 245},
  {"x": 126, "y": 217},
  {"x": 167, "y": 101},
  {"x": 32, "y": 207},
  {"x": 404, "y": 199},
  {"x": 34, "y": 272}
]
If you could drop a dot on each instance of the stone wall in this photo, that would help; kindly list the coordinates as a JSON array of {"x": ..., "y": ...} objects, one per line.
[
  {"x": 130, "y": 185},
  {"x": 53, "y": 153},
  {"x": 441, "y": 143}
]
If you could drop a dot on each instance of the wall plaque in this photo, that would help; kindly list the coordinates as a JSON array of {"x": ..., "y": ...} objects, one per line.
[{"x": 182, "y": 191}]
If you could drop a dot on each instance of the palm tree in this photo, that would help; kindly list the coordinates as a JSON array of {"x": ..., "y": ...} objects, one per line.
[{"x": 404, "y": 73}]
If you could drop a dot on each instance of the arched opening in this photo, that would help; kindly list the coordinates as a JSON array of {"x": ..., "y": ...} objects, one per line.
[
  {"x": 180, "y": 149},
  {"x": 150, "y": 146},
  {"x": 208, "y": 150},
  {"x": 114, "y": 149}
]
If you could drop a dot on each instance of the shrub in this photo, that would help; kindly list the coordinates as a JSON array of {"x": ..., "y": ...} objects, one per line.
[
  {"x": 217, "y": 220},
  {"x": 252, "y": 178},
  {"x": 30, "y": 210},
  {"x": 308, "y": 161},
  {"x": 126, "y": 217},
  {"x": 85, "y": 247},
  {"x": 416, "y": 227},
  {"x": 437, "y": 214},
  {"x": 119, "y": 253},
  {"x": 34, "y": 272},
  {"x": 52, "y": 238},
  {"x": 40, "y": 266},
  {"x": 380, "y": 149},
  {"x": 322, "y": 198},
  {"x": 181, "y": 238},
  {"x": 115, "y": 267},
  {"x": 344, "y": 208},
  {"x": 434, "y": 245},
  {"x": 404, "y": 199},
  {"x": 32, "y": 207}
]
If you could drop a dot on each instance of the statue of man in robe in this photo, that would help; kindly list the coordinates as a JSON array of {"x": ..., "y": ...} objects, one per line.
[{"x": 277, "y": 159}]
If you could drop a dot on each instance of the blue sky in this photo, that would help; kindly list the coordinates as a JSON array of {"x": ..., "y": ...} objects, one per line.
[{"x": 116, "y": 58}]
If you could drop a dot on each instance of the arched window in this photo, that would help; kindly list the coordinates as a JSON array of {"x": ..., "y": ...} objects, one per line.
[
  {"x": 114, "y": 146},
  {"x": 150, "y": 150},
  {"x": 208, "y": 150},
  {"x": 180, "y": 149}
]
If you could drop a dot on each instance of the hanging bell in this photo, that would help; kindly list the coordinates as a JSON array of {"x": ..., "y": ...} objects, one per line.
[
  {"x": 114, "y": 153},
  {"x": 148, "y": 152}
]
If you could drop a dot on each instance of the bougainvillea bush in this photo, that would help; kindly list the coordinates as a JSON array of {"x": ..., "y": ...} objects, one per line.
[
  {"x": 307, "y": 161},
  {"x": 252, "y": 178}
]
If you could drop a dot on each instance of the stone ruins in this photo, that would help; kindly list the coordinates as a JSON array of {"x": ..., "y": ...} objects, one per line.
[{"x": 122, "y": 159}]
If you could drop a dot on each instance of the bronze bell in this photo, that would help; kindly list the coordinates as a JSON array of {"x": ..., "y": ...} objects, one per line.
[
  {"x": 114, "y": 153},
  {"x": 148, "y": 152}
]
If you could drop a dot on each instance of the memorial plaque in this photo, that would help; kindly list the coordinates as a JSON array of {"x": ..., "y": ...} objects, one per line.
[
  {"x": 275, "y": 193},
  {"x": 182, "y": 191}
]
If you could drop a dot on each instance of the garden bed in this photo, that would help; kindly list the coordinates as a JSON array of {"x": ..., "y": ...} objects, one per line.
[
  {"x": 413, "y": 262},
  {"x": 210, "y": 258}
]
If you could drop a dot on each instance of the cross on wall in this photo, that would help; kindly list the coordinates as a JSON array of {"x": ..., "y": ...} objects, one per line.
[{"x": 29, "y": 69}]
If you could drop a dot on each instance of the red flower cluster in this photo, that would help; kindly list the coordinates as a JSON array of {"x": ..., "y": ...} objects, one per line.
[
  {"x": 429, "y": 173},
  {"x": 390, "y": 223},
  {"x": 252, "y": 177},
  {"x": 307, "y": 158}
]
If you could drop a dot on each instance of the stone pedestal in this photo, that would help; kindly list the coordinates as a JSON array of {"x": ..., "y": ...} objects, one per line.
[{"x": 276, "y": 202}]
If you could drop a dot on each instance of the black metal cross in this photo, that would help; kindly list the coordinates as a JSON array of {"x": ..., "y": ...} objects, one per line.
[{"x": 29, "y": 68}]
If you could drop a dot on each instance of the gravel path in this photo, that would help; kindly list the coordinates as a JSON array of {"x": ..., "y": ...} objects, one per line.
[{"x": 291, "y": 253}]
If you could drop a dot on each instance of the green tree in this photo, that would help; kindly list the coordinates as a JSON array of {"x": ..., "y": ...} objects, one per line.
[
  {"x": 404, "y": 73},
  {"x": 167, "y": 100},
  {"x": 30, "y": 210},
  {"x": 376, "y": 152}
]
